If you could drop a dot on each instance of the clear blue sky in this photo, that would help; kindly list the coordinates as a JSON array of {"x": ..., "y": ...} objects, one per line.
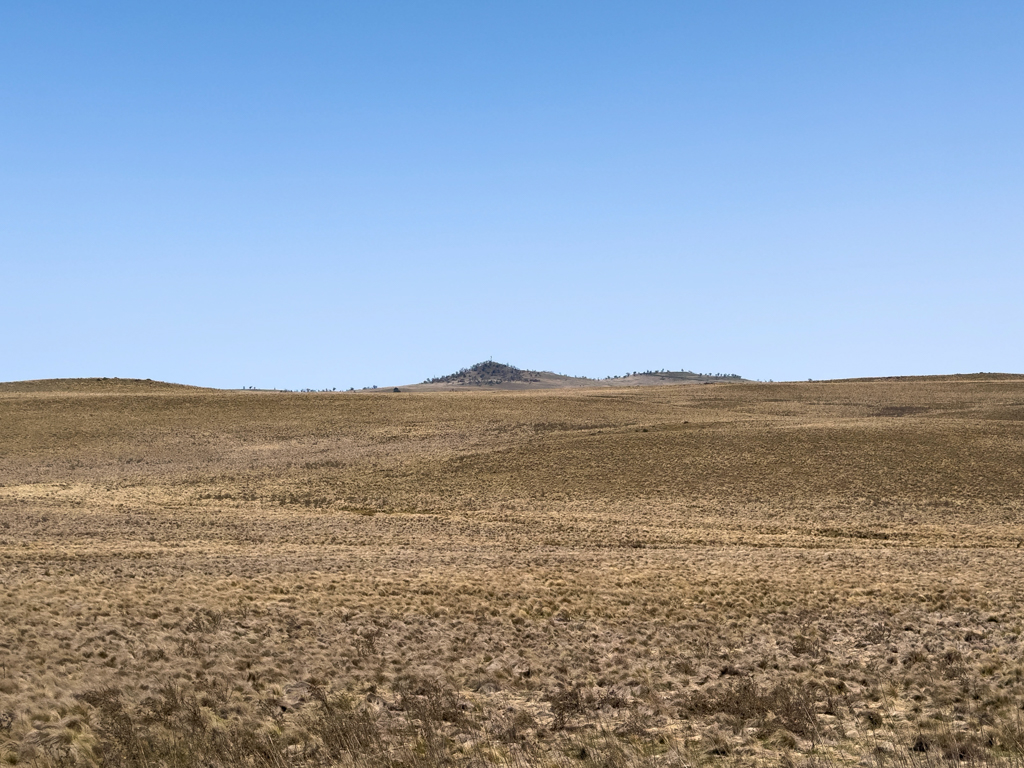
[{"x": 343, "y": 194}]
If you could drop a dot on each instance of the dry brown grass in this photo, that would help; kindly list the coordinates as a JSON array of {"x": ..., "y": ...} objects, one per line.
[{"x": 745, "y": 574}]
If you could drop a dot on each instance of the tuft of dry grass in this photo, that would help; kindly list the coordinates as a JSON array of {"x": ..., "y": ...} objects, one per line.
[{"x": 822, "y": 573}]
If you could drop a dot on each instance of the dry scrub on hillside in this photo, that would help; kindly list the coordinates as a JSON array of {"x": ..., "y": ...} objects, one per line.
[{"x": 791, "y": 574}]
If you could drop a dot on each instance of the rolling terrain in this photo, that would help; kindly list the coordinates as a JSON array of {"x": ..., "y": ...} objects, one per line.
[{"x": 798, "y": 574}]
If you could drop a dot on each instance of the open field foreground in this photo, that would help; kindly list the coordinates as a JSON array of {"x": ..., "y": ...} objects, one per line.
[{"x": 811, "y": 574}]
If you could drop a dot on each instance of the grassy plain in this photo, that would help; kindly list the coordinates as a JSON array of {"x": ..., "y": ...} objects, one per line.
[{"x": 819, "y": 574}]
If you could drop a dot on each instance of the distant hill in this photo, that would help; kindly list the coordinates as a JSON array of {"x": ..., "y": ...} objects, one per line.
[
  {"x": 936, "y": 378},
  {"x": 491, "y": 375},
  {"x": 488, "y": 374},
  {"x": 97, "y": 385}
]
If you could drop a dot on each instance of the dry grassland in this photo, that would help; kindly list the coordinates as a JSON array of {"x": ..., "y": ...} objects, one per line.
[{"x": 816, "y": 574}]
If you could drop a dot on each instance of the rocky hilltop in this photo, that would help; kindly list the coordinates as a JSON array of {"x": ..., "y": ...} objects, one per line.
[{"x": 488, "y": 374}]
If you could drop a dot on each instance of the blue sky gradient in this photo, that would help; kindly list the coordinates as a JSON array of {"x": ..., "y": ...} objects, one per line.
[{"x": 338, "y": 194}]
